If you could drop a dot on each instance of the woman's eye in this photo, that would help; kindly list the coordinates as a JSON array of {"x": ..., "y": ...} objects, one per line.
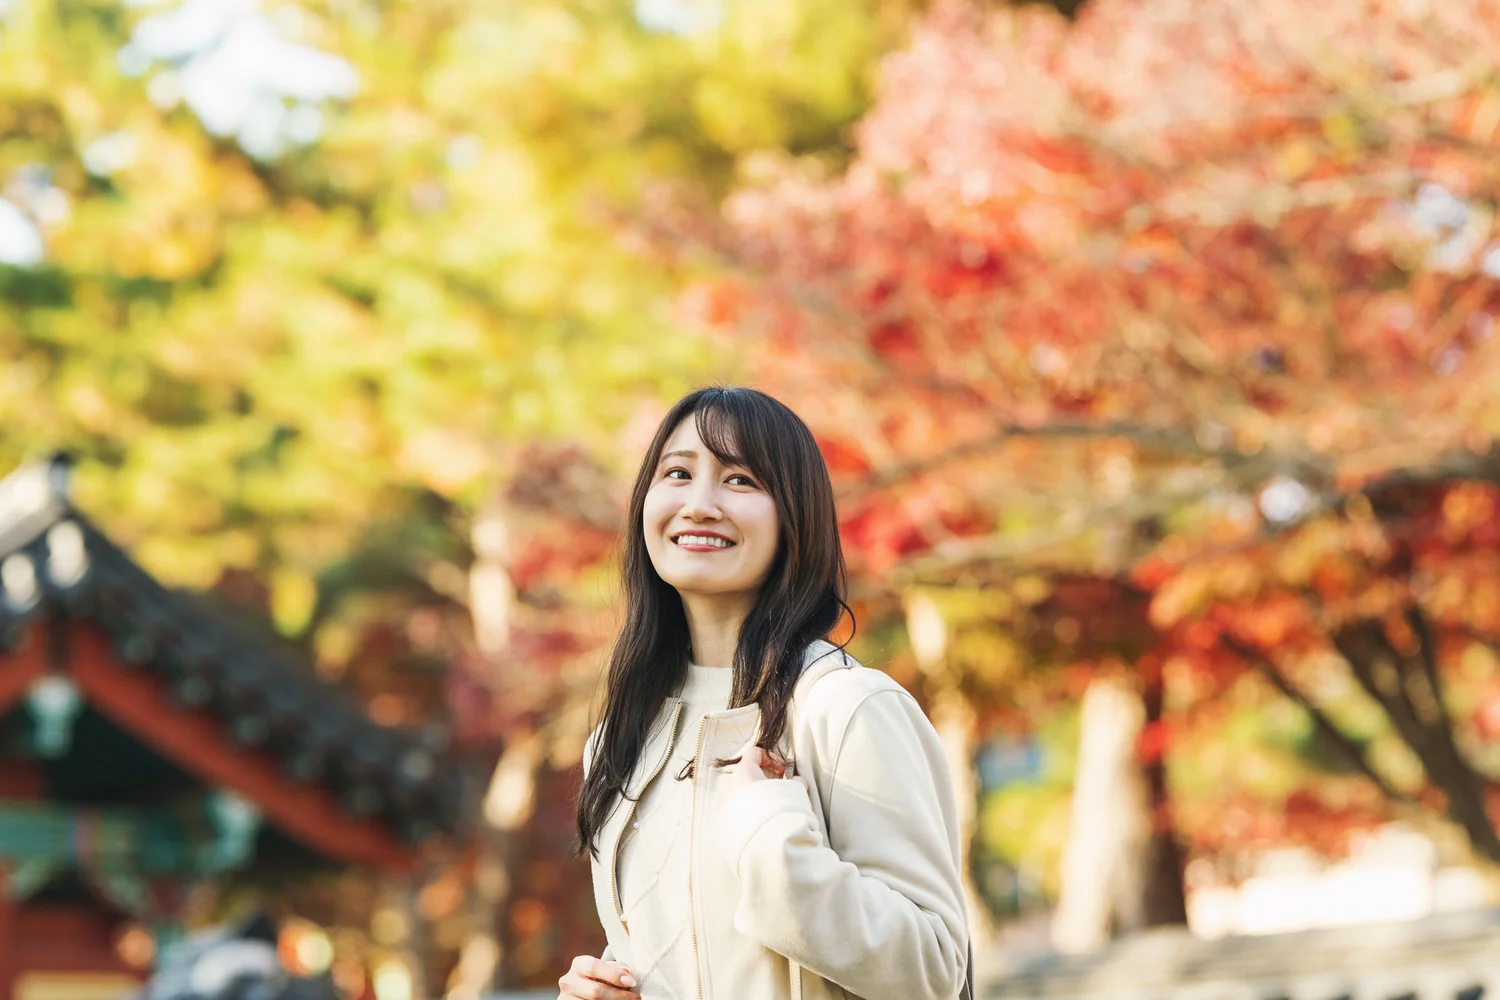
[
  {"x": 744, "y": 480},
  {"x": 672, "y": 470}
]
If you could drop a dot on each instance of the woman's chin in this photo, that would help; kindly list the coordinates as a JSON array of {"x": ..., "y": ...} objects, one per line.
[{"x": 704, "y": 585}]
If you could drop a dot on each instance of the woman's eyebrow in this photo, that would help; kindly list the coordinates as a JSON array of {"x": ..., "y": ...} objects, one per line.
[{"x": 733, "y": 463}]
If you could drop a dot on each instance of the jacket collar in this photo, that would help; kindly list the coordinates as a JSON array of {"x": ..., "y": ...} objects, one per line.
[{"x": 815, "y": 662}]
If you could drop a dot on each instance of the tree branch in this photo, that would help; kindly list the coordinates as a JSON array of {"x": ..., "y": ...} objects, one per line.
[
  {"x": 1341, "y": 740},
  {"x": 1177, "y": 441},
  {"x": 967, "y": 449},
  {"x": 1364, "y": 648},
  {"x": 1367, "y": 649},
  {"x": 1428, "y": 653}
]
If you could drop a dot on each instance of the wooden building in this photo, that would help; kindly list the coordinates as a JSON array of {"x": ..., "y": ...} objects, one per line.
[{"x": 150, "y": 741}]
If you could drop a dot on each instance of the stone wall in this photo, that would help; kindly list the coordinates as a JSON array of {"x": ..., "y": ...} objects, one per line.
[{"x": 1454, "y": 956}]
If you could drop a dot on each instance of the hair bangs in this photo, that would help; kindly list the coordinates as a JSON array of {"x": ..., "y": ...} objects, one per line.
[{"x": 738, "y": 431}]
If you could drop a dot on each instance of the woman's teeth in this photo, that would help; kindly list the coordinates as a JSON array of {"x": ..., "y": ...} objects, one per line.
[{"x": 721, "y": 543}]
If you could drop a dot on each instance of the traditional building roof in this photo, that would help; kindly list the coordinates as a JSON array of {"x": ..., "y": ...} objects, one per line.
[{"x": 56, "y": 565}]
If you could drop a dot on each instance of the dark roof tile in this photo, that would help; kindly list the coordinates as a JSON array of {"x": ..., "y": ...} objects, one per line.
[{"x": 53, "y": 560}]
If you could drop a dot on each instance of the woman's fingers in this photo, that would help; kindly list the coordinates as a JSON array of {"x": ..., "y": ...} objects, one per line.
[
  {"x": 750, "y": 753},
  {"x": 747, "y": 768},
  {"x": 592, "y": 978},
  {"x": 755, "y": 762}
]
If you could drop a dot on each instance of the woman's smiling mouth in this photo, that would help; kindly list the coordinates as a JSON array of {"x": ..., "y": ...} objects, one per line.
[{"x": 701, "y": 543}]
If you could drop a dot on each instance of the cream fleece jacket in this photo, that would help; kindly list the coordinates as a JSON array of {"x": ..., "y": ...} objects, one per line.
[{"x": 856, "y": 882}]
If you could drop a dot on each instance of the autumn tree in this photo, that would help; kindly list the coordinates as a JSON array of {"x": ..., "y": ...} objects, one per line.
[
  {"x": 1200, "y": 305},
  {"x": 326, "y": 296}
]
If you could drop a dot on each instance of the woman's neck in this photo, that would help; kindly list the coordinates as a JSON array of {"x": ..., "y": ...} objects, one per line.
[{"x": 714, "y": 626}]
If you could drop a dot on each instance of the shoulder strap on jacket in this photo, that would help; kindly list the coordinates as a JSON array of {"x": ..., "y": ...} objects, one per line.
[{"x": 821, "y": 659}]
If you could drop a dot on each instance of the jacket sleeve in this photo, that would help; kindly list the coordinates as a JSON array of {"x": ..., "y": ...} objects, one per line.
[{"x": 880, "y": 911}]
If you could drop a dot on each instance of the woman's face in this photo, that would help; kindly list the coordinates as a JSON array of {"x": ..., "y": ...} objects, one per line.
[{"x": 711, "y": 529}]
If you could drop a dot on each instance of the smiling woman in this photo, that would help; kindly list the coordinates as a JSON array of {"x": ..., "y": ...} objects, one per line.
[
  {"x": 712, "y": 531},
  {"x": 710, "y": 879}
]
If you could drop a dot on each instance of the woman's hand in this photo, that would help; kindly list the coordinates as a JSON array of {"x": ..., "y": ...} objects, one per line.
[
  {"x": 592, "y": 978},
  {"x": 756, "y": 765}
]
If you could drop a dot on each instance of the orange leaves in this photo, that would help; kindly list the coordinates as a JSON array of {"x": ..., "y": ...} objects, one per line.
[
  {"x": 1271, "y": 623},
  {"x": 880, "y": 536},
  {"x": 1469, "y": 511},
  {"x": 1187, "y": 595},
  {"x": 897, "y": 342},
  {"x": 1269, "y": 593},
  {"x": 1486, "y": 718},
  {"x": 1140, "y": 218},
  {"x": 843, "y": 458},
  {"x": 1154, "y": 741},
  {"x": 1241, "y": 822},
  {"x": 1467, "y": 597},
  {"x": 553, "y": 552},
  {"x": 1188, "y": 242},
  {"x": 1327, "y": 827},
  {"x": 1196, "y": 588},
  {"x": 712, "y": 304},
  {"x": 1153, "y": 570}
]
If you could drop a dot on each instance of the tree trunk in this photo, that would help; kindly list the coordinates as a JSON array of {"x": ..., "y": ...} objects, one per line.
[
  {"x": 1110, "y": 838},
  {"x": 483, "y": 959},
  {"x": 1165, "y": 900},
  {"x": 953, "y": 718},
  {"x": 491, "y": 593}
]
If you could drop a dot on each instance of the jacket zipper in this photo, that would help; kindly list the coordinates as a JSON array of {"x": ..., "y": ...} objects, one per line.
[
  {"x": 614, "y": 853},
  {"x": 692, "y": 822}
]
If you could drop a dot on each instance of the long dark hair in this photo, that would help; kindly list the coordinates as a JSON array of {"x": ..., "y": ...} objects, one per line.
[{"x": 801, "y": 600}]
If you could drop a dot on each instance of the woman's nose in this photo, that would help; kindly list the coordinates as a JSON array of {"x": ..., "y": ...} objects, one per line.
[{"x": 701, "y": 501}]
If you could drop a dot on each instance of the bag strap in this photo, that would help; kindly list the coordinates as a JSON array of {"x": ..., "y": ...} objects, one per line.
[{"x": 821, "y": 666}]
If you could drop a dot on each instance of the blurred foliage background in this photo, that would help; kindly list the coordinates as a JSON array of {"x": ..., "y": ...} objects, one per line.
[{"x": 1150, "y": 348}]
